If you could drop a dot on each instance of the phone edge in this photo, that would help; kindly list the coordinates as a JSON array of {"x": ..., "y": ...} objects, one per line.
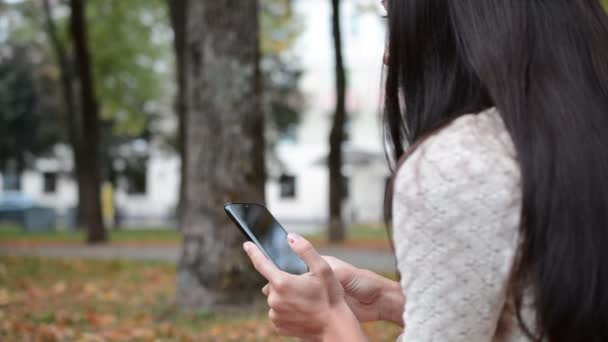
[{"x": 245, "y": 231}]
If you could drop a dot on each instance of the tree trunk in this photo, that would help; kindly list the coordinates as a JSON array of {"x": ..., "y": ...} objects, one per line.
[
  {"x": 336, "y": 138},
  {"x": 178, "y": 10},
  {"x": 224, "y": 151},
  {"x": 96, "y": 232},
  {"x": 73, "y": 122}
]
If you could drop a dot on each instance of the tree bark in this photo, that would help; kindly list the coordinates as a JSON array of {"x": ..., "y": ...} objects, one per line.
[
  {"x": 336, "y": 138},
  {"x": 178, "y": 10},
  {"x": 224, "y": 151},
  {"x": 73, "y": 122},
  {"x": 96, "y": 231}
]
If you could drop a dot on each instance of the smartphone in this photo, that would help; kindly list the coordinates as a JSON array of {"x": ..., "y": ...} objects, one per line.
[{"x": 260, "y": 227}]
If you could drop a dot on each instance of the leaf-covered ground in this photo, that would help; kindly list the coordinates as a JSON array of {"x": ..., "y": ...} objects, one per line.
[{"x": 85, "y": 300}]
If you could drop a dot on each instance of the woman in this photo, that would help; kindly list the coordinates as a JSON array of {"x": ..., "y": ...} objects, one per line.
[{"x": 500, "y": 206}]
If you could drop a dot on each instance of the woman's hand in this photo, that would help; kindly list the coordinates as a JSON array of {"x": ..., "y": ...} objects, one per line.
[
  {"x": 310, "y": 306},
  {"x": 370, "y": 296}
]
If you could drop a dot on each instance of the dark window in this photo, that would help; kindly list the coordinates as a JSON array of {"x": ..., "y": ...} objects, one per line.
[
  {"x": 49, "y": 182},
  {"x": 287, "y": 185},
  {"x": 136, "y": 181}
]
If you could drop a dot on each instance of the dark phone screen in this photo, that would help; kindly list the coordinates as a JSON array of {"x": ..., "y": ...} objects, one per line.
[{"x": 269, "y": 234}]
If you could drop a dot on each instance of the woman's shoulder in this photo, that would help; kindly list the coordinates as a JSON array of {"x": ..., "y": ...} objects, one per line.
[
  {"x": 480, "y": 133},
  {"x": 479, "y": 139},
  {"x": 473, "y": 150}
]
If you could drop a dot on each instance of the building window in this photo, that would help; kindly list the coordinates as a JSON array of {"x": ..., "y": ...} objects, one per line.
[
  {"x": 49, "y": 182},
  {"x": 136, "y": 178},
  {"x": 136, "y": 183},
  {"x": 287, "y": 186}
]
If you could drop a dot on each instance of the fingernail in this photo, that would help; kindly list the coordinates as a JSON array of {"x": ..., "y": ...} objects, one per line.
[
  {"x": 293, "y": 238},
  {"x": 246, "y": 246}
]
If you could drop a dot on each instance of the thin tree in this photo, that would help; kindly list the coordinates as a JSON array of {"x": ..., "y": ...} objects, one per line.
[
  {"x": 178, "y": 14},
  {"x": 336, "y": 138},
  {"x": 67, "y": 89},
  {"x": 224, "y": 151},
  {"x": 96, "y": 232}
]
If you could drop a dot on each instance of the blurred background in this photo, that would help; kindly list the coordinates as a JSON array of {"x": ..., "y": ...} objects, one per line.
[
  {"x": 133, "y": 71},
  {"x": 125, "y": 125}
]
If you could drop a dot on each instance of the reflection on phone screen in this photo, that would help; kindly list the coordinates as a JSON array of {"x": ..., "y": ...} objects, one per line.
[{"x": 270, "y": 235}]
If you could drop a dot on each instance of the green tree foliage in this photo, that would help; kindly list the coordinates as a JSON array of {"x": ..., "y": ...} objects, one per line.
[
  {"x": 130, "y": 51},
  {"x": 282, "y": 100},
  {"x": 131, "y": 55},
  {"x": 29, "y": 116}
]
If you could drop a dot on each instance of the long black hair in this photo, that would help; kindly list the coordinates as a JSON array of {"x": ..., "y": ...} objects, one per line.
[{"x": 544, "y": 65}]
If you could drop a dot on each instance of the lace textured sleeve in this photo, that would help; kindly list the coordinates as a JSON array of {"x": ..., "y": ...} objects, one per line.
[{"x": 455, "y": 227}]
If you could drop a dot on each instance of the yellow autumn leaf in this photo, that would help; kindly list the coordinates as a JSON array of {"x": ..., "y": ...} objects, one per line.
[
  {"x": 59, "y": 287},
  {"x": 90, "y": 289}
]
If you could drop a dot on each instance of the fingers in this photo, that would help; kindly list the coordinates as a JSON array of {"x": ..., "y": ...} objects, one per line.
[
  {"x": 277, "y": 324},
  {"x": 266, "y": 289},
  {"x": 335, "y": 263},
  {"x": 338, "y": 267},
  {"x": 311, "y": 257},
  {"x": 332, "y": 261},
  {"x": 261, "y": 263}
]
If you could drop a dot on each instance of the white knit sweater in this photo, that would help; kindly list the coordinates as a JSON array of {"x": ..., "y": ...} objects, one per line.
[{"x": 455, "y": 227}]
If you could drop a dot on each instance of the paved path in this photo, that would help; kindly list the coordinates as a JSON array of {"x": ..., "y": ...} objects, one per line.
[{"x": 379, "y": 261}]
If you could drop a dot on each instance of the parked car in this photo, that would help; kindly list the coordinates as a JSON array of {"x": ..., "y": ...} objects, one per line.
[{"x": 20, "y": 209}]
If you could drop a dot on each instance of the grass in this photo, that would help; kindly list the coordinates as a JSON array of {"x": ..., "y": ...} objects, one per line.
[
  {"x": 360, "y": 236},
  {"x": 15, "y": 235},
  {"x": 59, "y": 299}
]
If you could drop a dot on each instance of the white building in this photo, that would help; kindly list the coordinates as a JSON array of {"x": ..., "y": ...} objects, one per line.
[
  {"x": 365, "y": 165},
  {"x": 298, "y": 196}
]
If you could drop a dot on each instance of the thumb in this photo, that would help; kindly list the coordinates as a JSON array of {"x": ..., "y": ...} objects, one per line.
[
  {"x": 344, "y": 272},
  {"x": 304, "y": 249}
]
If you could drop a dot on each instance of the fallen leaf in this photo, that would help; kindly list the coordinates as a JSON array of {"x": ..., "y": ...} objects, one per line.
[
  {"x": 34, "y": 292},
  {"x": 5, "y": 296},
  {"x": 90, "y": 289},
  {"x": 142, "y": 333},
  {"x": 100, "y": 320},
  {"x": 59, "y": 287},
  {"x": 111, "y": 296},
  {"x": 50, "y": 333}
]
